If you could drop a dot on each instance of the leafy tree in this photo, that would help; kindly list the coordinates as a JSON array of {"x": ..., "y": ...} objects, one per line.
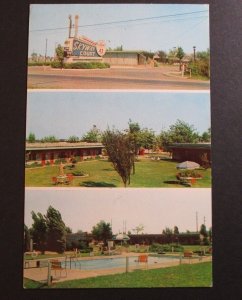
[
  {"x": 180, "y": 54},
  {"x": 39, "y": 231},
  {"x": 73, "y": 139},
  {"x": 176, "y": 230},
  {"x": 202, "y": 64},
  {"x": 121, "y": 153},
  {"x": 182, "y": 132},
  {"x": 49, "y": 139},
  {"x": 210, "y": 234},
  {"x": 56, "y": 230},
  {"x": 146, "y": 138},
  {"x": 138, "y": 228},
  {"x": 206, "y": 136},
  {"x": 31, "y": 137},
  {"x": 203, "y": 231},
  {"x": 92, "y": 136},
  {"x": 134, "y": 130},
  {"x": 162, "y": 56},
  {"x": 68, "y": 229},
  {"x": 60, "y": 54},
  {"x": 26, "y": 239},
  {"x": 102, "y": 232},
  {"x": 168, "y": 233},
  {"x": 34, "y": 57}
]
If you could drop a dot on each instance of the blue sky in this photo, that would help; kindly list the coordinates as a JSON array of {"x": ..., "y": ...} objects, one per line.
[
  {"x": 75, "y": 112},
  {"x": 161, "y": 27},
  {"x": 156, "y": 209}
]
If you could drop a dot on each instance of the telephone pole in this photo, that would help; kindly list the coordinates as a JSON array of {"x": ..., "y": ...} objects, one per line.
[
  {"x": 197, "y": 221},
  {"x": 45, "y": 48}
]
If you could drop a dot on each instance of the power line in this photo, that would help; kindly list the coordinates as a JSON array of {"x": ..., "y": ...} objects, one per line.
[{"x": 124, "y": 21}]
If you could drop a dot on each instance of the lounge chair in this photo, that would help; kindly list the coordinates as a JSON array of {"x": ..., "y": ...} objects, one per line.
[{"x": 56, "y": 266}]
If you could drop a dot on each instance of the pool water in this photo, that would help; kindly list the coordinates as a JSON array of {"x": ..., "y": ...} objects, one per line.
[{"x": 109, "y": 263}]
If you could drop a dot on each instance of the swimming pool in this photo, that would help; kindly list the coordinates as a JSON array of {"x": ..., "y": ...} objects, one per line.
[{"x": 119, "y": 262}]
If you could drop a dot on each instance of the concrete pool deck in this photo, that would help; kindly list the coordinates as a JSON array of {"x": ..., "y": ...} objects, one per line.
[{"x": 40, "y": 274}]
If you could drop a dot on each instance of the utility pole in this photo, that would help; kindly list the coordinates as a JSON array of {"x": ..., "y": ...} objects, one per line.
[
  {"x": 197, "y": 221},
  {"x": 45, "y": 48},
  {"x": 194, "y": 53}
]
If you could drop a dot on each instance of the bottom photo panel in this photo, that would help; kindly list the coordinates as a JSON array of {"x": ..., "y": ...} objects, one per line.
[{"x": 117, "y": 238}]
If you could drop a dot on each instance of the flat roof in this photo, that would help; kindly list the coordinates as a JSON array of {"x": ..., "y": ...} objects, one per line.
[
  {"x": 62, "y": 146},
  {"x": 190, "y": 145}
]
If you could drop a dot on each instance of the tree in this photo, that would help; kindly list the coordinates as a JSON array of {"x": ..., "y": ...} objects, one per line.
[
  {"x": 92, "y": 136},
  {"x": 49, "y": 139},
  {"x": 26, "y": 239},
  {"x": 138, "y": 228},
  {"x": 182, "y": 132},
  {"x": 31, "y": 137},
  {"x": 204, "y": 234},
  {"x": 180, "y": 54},
  {"x": 121, "y": 153},
  {"x": 39, "y": 231},
  {"x": 73, "y": 139},
  {"x": 102, "y": 232},
  {"x": 206, "y": 136},
  {"x": 146, "y": 138},
  {"x": 134, "y": 130},
  {"x": 56, "y": 230},
  {"x": 68, "y": 229},
  {"x": 34, "y": 57},
  {"x": 60, "y": 54},
  {"x": 162, "y": 56},
  {"x": 176, "y": 230},
  {"x": 168, "y": 233}
]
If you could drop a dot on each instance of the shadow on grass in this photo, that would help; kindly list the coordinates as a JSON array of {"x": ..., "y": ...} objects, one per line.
[
  {"x": 97, "y": 184},
  {"x": 172, "y": 182},
  {"x": 108, "y": 169}
]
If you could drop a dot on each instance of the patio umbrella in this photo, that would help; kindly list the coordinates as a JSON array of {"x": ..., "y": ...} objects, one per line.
[
  {"x": 122, "y": 237},
  {"x": 189, "y": 165}
]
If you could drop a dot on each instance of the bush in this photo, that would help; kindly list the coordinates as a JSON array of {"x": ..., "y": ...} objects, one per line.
[
  {"x": 86, "y": 65},
  {"x": 56, "y": 64},
  {"x": 33, "y": 165},
  {"x": 189, "y": 173},
  {"x": 200, "y": 68},
  {"x": 78, "y": 173},
  {"x": 33, "y": 64}
]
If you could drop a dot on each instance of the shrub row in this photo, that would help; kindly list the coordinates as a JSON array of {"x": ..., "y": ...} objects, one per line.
[
  {"x": 165, "y": 248},
  {"x": 31, "y": 64},
  {"x": 80, "y": 65}
]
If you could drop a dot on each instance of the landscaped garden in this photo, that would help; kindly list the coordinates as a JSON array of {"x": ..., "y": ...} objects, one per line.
[
  {"x": 187, "y": 275},
  {"x": 100, "y": 173}
]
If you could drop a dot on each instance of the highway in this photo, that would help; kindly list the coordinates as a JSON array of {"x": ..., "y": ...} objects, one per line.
[{"x": 113, "y": 78}]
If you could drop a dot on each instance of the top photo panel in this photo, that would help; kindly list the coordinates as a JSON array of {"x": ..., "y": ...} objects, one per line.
[{"x": 119, "y": 46}]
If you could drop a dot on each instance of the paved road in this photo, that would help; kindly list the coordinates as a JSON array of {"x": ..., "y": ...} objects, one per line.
[{"x": 114, "y": 78}]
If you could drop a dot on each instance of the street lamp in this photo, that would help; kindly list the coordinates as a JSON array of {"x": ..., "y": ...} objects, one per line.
[{"x": 194, "y": 53}]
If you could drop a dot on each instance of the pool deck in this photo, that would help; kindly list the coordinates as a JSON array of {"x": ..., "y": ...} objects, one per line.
[{"x": 40, "y": 274}]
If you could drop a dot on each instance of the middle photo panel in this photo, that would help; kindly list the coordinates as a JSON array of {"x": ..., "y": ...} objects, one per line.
[{"x": 116, "y": 139}]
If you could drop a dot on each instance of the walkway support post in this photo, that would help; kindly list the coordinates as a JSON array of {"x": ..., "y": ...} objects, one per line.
[
  {"x": 49, "y": 274},
  {"x": 127, "y": 264}
]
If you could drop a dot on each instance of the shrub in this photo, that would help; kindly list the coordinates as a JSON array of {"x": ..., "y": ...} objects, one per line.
[
  {"x": 33, "y": 64},
  {"x": 56, "y": 64},
  {"x": 78, "y": 173},
  {"x": 189, "y": 173},
  {"x": 86, "y": 65}
]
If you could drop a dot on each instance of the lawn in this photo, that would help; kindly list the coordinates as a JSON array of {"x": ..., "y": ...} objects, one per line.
[
  {"x": 101, "y": 173},
  {"x": 188, "y": 275}
]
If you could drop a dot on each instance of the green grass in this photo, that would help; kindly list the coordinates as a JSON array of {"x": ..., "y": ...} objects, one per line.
[
  {"x": 101, "y": 174},
  {"x": 189, "y": 275}
]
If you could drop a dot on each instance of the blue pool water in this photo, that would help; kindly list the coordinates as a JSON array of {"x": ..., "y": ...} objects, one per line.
[{"x": 109, "y": 263}]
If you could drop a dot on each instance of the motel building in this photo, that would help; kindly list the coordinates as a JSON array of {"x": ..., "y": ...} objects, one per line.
[
  {"x": 80, "y": 49},
  {"x": 190, "y": 151},
  {"x": 48, "y": 153}
]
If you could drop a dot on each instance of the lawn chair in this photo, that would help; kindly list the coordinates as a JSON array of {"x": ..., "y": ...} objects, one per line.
[
  {"x": 143, "y": 258},
  {"x": 188, "y": 254},
  {"x": 54, "y": 180},
  {"x": 56, "y": 266}
]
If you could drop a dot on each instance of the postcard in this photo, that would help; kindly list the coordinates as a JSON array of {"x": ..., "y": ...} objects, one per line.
[{"x": 118, "y": 147}]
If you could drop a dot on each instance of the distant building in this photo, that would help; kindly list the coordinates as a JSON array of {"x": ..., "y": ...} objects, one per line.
[
  {"x": 192, "y": 152},
  {"x": 80, "y": 48},
  {"x": 49, "y": 152}
]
